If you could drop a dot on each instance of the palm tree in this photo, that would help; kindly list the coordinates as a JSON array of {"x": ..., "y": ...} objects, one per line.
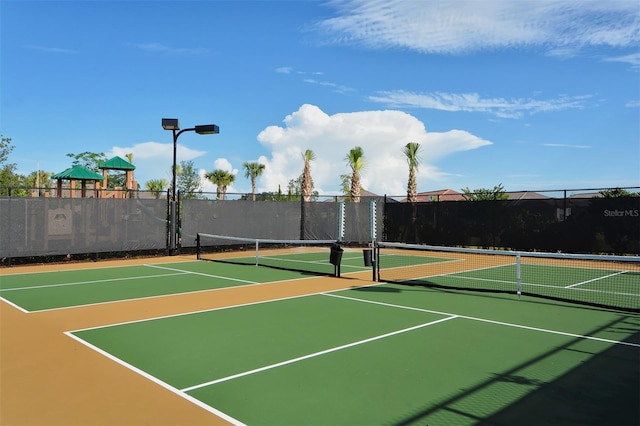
[
  {"x": 307, "y": 182},
  {"x": 156, "y": 186},
  {"x": 253, "y": 170},
  {"x": 355, "y": 160},
  {"x": 222, "y": 179},
  {"x": 411, "y": 151}
]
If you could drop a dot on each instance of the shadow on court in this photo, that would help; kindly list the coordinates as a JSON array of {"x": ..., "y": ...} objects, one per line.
[{"x": 603, "y": 390}]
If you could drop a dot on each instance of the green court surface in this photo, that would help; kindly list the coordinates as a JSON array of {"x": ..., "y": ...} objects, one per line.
[
  {"x": 383, "y": 354},
  {"x": 391, "y": 354},
  {"x": 616, "y": 286},
  {"x": 54, "y": 290}
]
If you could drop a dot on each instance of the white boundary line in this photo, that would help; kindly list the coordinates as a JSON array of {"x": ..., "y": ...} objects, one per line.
[
  {"x": 203, "y": 274},
  {"x": 8, "y": 274},
  {"x": 315, "y": 354},
  {"x": 221, "y": 308},
  {"x": 91, "y": 282},
  {"x": 249, "y": 284},
  {"x": 20, "y": 308},
  {"x": 158, "y": 381},
  {"x": 458, "y": 275},
  {"x": 182, "y": 392},
  {"x": 596, "y": 279},
  {"x": 506, "y": 324},
  {"x": 165, "y": 295}
]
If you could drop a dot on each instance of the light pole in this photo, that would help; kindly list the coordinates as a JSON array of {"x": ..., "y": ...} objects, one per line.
[{"x": 173, "y": 125}]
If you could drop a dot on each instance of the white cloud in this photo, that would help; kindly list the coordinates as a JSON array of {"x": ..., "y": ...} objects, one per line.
[
  {"x": 564, "y": 145},
  {"x": 51, "y": 49},
  {"x": 460, "y": 26},
  {"x": 633, "y": 59},
  {"x": 154, "y": 159},
  {"x": 381, "y": 134},
  {"x": 222, "y": 164},
  {"x": 165, "y": 49},
  {"x": 473, "y": 102},
  {"x": 156, "y": 151},
  {"x": 337, "y": 87}
]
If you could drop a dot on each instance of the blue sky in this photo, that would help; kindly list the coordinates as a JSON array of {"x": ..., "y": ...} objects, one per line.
[{"x": 533, "y": 95}]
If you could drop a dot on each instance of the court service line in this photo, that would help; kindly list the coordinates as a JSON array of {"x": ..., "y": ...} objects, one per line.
[
  {"x": 595, "y": 279},
  {"x": 71, "y": 267},
  {"x": 524, "y": 284},
  {"x": 203, "y": 274},
  {"x": 506, "y": 324},
  {"x": 316, "y": 354},
  {"x": 91, "y": 282}
]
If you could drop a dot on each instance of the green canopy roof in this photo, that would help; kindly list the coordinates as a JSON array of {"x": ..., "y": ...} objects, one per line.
[
  {"x": 79, "y": 173},
  {"x": 117, "y": 163}
]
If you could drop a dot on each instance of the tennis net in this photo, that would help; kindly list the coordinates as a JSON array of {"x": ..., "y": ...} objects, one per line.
[
  {"x": 596, "y": 280},
  {"x": 305, "y": 256}
]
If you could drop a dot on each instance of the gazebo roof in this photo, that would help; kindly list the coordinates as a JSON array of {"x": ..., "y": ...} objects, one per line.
[
  {"x": 79, "y": 173},
  {"x": 117, "y": 163}
]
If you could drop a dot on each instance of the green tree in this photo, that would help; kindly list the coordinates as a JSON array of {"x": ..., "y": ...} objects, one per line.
[
  {"x": 411, "y": 151},
  {"x": 38, "y": 179},
  {"x": 188, "y": 181},
  {"x": 221, "y": 179},
  {"x": 345, "y": 185},
  {"x": 6, "y": 147},
  {"x": 156, "y": 186},
  {"x": 618, "y": 193},
  {"x": 10, "y": 180},
  {"x": 307, "y": 182},
  {"x": 484, "y": 194},
  {"x": 356, "y": 161},
  {"x": 252, "y": 171},
  {"x": 88, "y": 160}
]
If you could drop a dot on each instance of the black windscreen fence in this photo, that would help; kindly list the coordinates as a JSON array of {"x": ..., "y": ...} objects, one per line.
[
  {"x": 282, "y": 220},
  {"x": 591, "y": 225},
  {"x": 42, "y": 226}
]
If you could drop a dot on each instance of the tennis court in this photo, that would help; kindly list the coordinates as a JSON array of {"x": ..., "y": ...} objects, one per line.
[
  {"x": 62, "y": 289},
  {"x": 353, "y": 351}
]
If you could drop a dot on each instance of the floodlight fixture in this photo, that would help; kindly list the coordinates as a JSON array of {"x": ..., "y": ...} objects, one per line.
[
  {"x": 207, "y": 129},
  {"x": 170, "y": 124}
]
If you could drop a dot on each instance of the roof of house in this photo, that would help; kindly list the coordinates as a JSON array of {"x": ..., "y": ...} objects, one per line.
[
  {"x": 363, "y": 194},
  {"x": 440, "y": 195},
  {"x": 587, "y": 195},
  {"x": 526, "y": 195},
  {"x": 79, "y": 173},
  {"x": 117, "y": 163}
]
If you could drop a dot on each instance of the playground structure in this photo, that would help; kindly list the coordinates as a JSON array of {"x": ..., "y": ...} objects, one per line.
[
  {"x": 93, "y": 184},
  {"x": 117, "y": 163}
]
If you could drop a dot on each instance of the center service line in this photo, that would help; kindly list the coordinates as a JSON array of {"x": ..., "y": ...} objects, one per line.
[{"x": 302, "y": 358}]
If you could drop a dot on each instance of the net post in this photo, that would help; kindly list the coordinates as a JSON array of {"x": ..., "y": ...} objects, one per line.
[
  {"x": 340, "y": 220},
  {"x": 518, "y": 274},
  {"x": 377, "y": 264},
  {"x": 198, "y": 257},
  {"x": 373, "y": 231},
  {"x": 257, "y": 253},
  {"x": 373, "y": 260},
  {"x": 373, "y": 219}
]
